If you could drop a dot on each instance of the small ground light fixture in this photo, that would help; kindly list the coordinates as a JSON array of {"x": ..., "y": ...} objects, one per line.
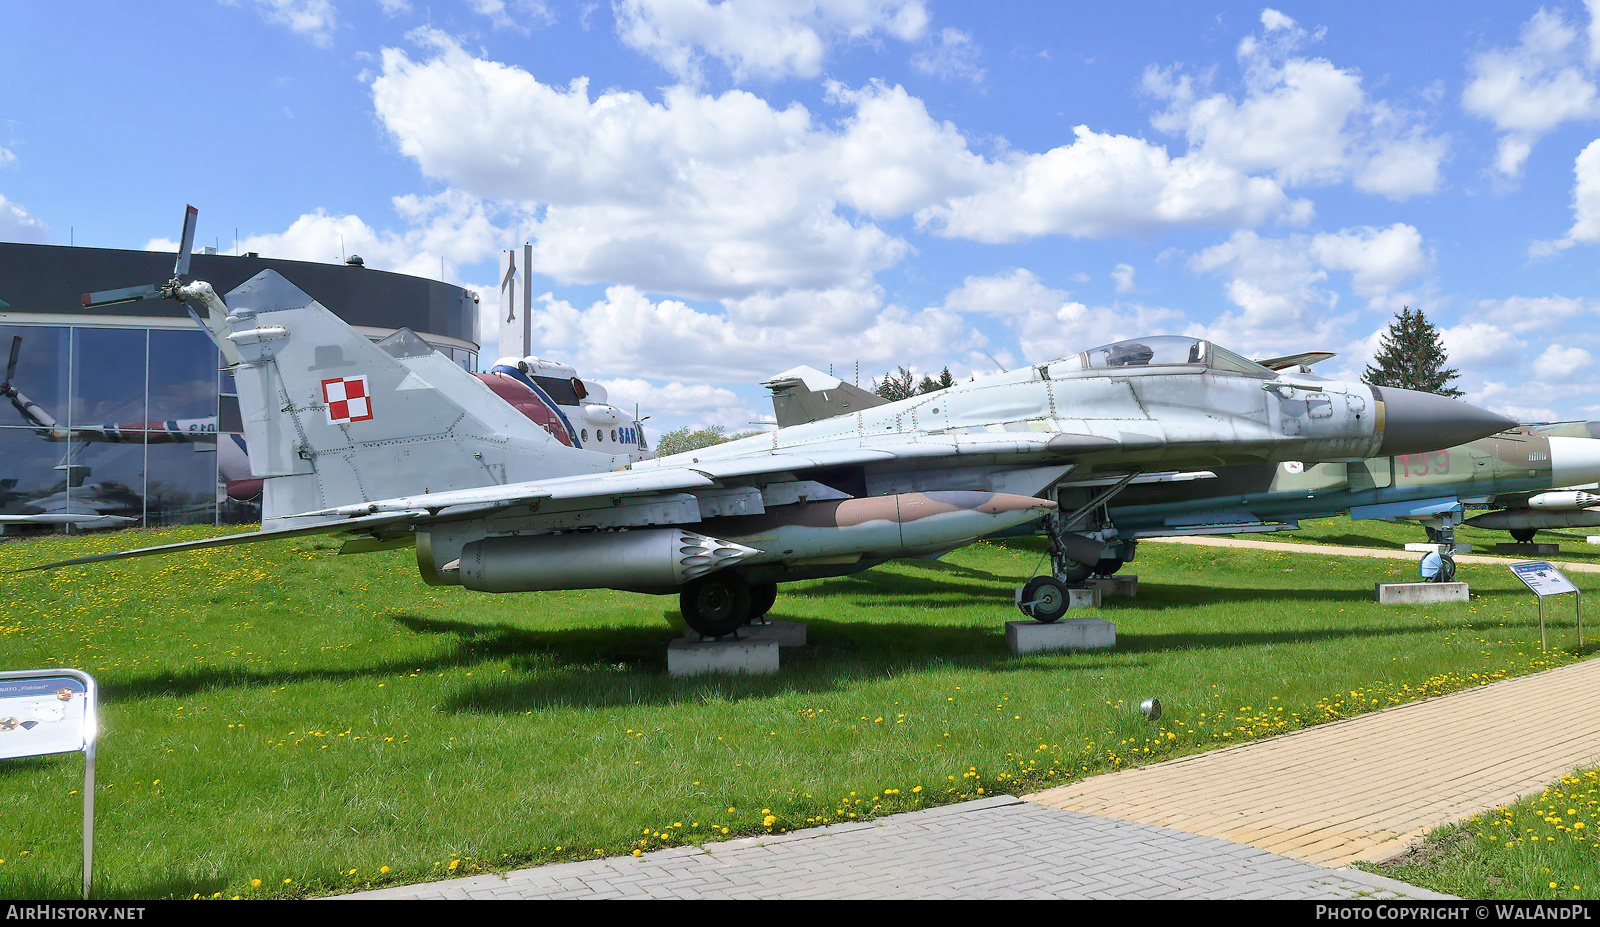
[{"x": 1151, "y": 707}]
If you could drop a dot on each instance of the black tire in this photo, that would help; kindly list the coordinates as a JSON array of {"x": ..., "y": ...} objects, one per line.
[
  {"x": 1523, "y": 535},
  {"x": 715, "y": 605},
  {"x": 1444, "y": 571},
  {"x": 762, "y": 595},
  {"x": 1073, "y": 571},
  {"x": 1045, "y": 599},
  {"x": 1107, "y": 566}
]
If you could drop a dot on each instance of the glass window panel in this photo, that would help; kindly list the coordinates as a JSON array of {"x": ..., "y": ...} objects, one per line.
[
  {"x": 102, "y": 479},
  {"x": 29, "y": 478},
  {"x": 40, "y": 377},
  {"x": 108, "y": 382},
  {"x": 183, "y": 379},
  {"x": 182, "y": 488}
]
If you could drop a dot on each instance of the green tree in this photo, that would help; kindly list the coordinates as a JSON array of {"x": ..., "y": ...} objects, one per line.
[
  {"x": 896, "y": 386},
  {"x": 1411, "y": 356},
  {"x": 930, "y": 385},
  {"x": 903, "y": 384},
  {"x": 685, "y": 439}
]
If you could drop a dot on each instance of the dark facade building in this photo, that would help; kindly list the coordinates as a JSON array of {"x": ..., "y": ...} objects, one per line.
[{"x": 122, "y": 412}]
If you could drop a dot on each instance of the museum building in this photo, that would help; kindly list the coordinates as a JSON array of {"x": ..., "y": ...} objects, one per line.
[{"x": 123, "y": 410}]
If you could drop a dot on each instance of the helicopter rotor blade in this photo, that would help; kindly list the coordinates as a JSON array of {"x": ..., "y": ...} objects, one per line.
[
  {"x": 16, "y": 352},
  {"x": 126, "y": 294},
  {"x": 181, "y": 267}
]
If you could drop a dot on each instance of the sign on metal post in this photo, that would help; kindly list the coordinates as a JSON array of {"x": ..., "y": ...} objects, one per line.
[
  {"x": 53, "y": 711},
  {"x": 1544, "y": 579}
]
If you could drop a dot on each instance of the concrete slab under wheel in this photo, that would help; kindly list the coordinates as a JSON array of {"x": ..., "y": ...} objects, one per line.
[
  {"x": 1115, "y": 585},
  {"x": 1426, "y": 548},
  {"x": 1419, "y": 593},
  {"x": 1528, "y": 550},
  {"x": 1069, "y": 634},
  {"x": 752, "y": 649}
]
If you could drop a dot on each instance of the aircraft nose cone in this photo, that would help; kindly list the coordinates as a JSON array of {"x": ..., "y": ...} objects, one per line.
[
  {"x": 1415, "y": 422},
  {"x": 1574, "y": 461}
]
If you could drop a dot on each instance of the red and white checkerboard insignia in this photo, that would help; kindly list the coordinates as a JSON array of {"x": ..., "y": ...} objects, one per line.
[{"x": 347, "y": 400}]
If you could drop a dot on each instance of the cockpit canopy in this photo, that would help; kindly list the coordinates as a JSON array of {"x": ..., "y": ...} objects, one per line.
[{"x": 1170, "y": 351}]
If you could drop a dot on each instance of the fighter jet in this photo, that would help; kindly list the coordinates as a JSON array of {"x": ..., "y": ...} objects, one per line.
[
  {"x": 1572, "y": 503},
  {"x": 1433, "y": 488},
  {"x": 397, "y": 446}
]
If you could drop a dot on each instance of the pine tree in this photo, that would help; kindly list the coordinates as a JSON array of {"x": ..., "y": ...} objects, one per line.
[
  {"x": 896, "y": 386},
  {"x": 1411, "y": 356},
  {"x": 904, "y": 385}
]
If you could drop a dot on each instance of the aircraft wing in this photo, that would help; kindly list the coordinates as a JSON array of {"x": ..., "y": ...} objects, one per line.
[
  {"x": 682, "y": 474},
  {"x": 686, "y": 473}
]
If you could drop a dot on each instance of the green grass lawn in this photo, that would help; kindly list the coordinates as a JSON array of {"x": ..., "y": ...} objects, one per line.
[{"x": 279, "y": 721}]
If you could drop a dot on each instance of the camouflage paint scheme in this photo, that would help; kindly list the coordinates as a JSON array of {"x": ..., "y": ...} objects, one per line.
[
  {"x": 1275, "y": 497},
  {"x": 1524, "y": 513}
]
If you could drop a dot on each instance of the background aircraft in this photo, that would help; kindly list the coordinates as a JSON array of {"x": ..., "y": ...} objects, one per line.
[
  {"x": 1433, "y": 488},
  {"x": 573, "y": 411},
  {"x": 398, "y": 444},
  {"x": 1523, "y": 514}
]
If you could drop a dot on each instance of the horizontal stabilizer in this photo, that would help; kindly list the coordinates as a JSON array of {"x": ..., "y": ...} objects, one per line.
[{"x": 324, "y": 527}]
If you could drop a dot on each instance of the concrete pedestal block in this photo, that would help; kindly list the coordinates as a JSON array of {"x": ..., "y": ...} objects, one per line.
[
  {"x": 1528, "y": 550},
  {"x": 1419, "y": 593},
  {"x": 1115, "y": 585},
  {"x": 1066, "y": 634},
  {"x": 1428, "y": 548},
  {"x": 687, "y": 657},
  {"x": 753, "y": 650},
  {"x": 1085, "y": 596},
  {"x": 782, "y": 633}
]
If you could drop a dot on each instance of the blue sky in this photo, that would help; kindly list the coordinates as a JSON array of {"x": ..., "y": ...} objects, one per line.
[{"x": 716, "y": 192}]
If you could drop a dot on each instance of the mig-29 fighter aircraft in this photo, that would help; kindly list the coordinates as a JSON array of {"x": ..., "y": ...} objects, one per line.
[{"x": 392, "y": 443}]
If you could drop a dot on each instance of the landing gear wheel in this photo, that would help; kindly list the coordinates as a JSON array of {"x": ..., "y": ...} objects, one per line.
[
  {"x": 1523, "y": 535},
  {"x": 715, "y": 605},
  {"x": 1438, "y": 568},
  {"x": 1108, "y": 566},
  {"x": 1073, "y": 571},
  {"x": 762, "y": 595},
  {"x": 1045, "y": 599}
]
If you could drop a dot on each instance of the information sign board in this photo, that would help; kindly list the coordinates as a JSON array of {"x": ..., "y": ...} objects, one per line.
[
  {"x": 44, "y": 713},
  {"x": 1542, "y": 578},
  {"x": 53, "y": 711}
]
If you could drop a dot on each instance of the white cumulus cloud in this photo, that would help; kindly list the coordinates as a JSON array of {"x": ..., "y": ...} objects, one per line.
[
  {"x": 765, "y": 39},
  {"x": 1304, "y": 120},
  {"x": 1102, "y": 185},
  {"x": 16, "y": 224},
  {"x": 1526, "y": 91}
]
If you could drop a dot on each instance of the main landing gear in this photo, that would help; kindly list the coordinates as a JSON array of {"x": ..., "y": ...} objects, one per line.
[
  {"x": 1074, "y": 557},
  {"x": 721, "y": 603}
]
